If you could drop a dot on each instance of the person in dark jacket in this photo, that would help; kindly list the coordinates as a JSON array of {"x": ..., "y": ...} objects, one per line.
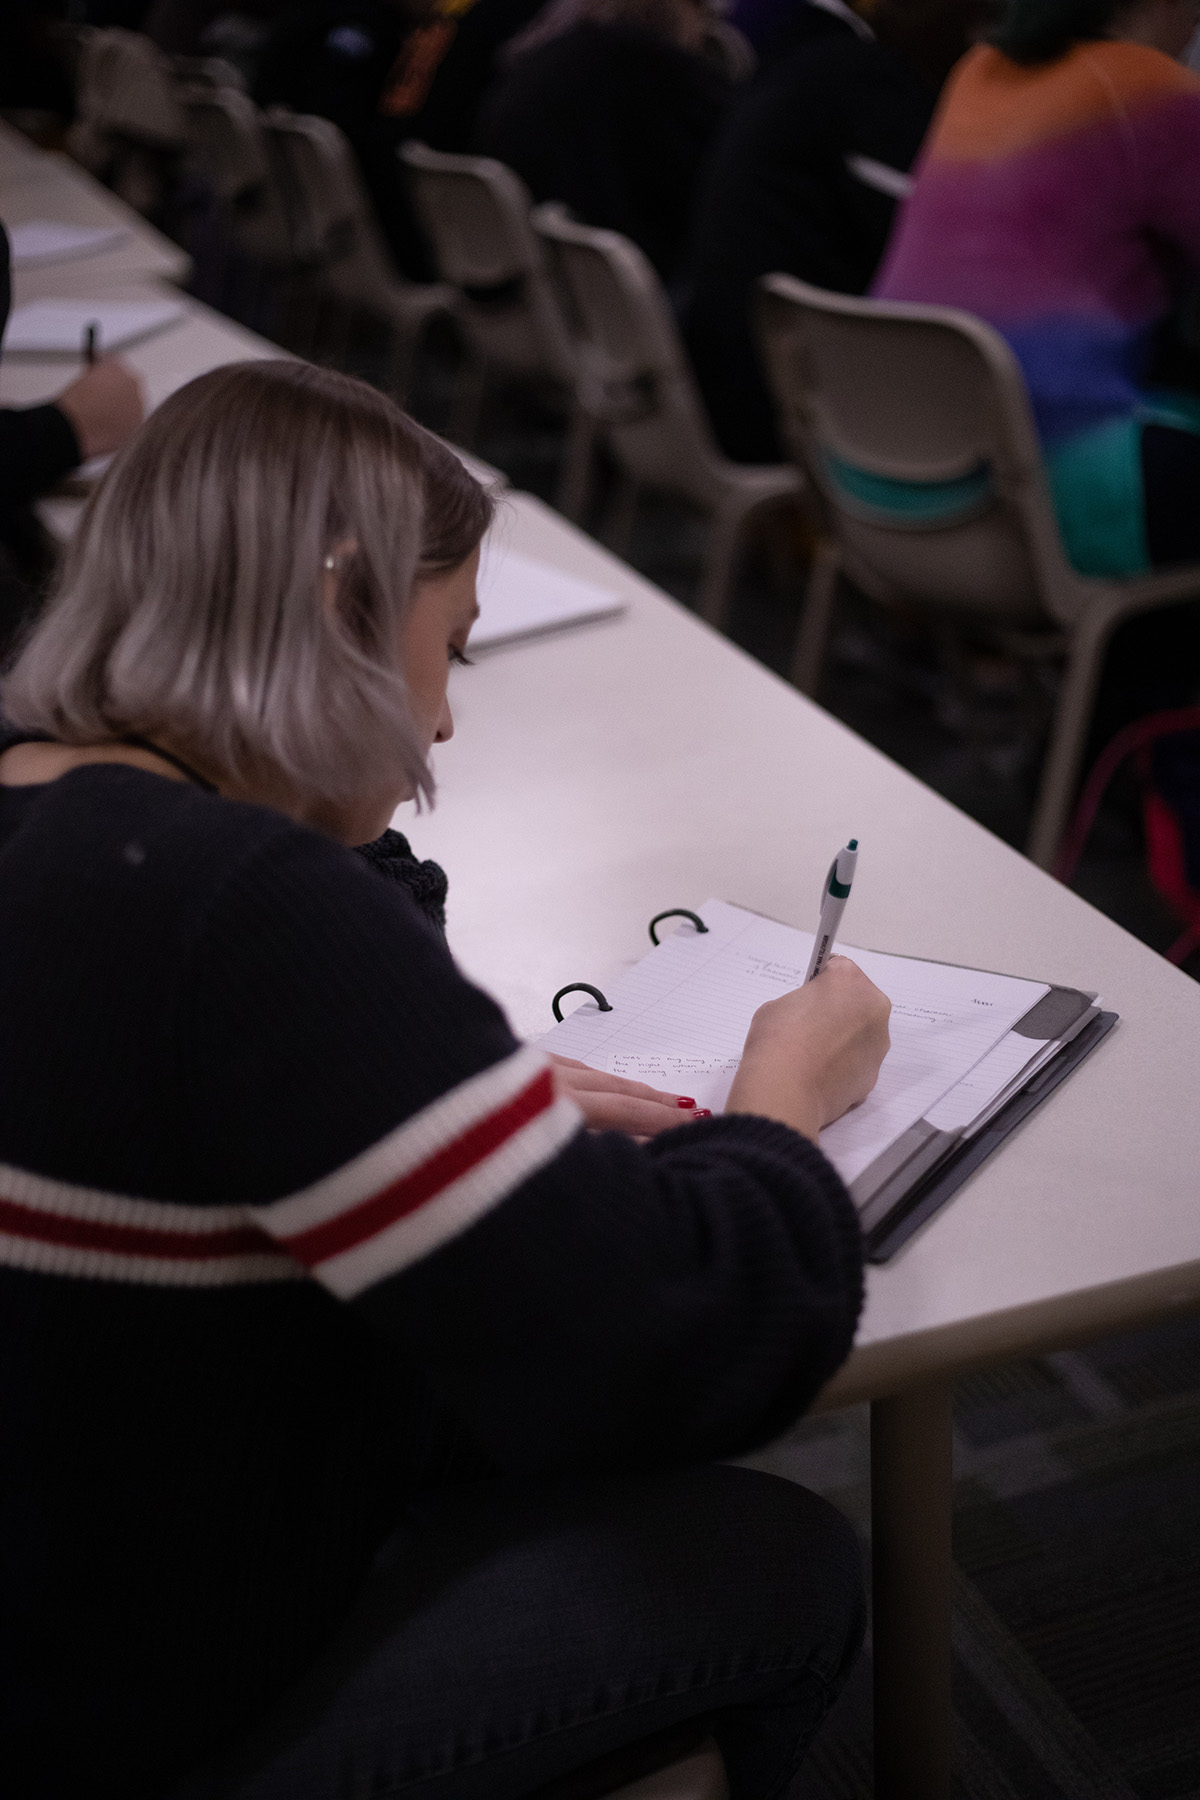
[
  {"x": 38, "y": 446},
  {"x": 610, "y": 106},
  {"x": 804, "y": 179},
  {"x": 357, "y": 1400}
]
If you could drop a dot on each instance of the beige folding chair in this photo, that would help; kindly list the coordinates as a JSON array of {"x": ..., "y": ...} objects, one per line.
[
  {"x": 475, "y": 212},
  {"x": 868, "y": 389},
  {"x": 637, "y": 385},
  {"x": 227, "y": 144},
  {"x": 337, "y": 234},
  {"x": 129, "y": 127}
]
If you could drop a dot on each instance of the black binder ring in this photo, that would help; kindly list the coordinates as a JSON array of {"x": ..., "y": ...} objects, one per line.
[
  {"x": 675, "y": 912},
  {"x": 579, "y": 987}
]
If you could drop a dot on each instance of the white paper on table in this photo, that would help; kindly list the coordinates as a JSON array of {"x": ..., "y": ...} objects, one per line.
[
  {"x": 41, "y": 241},
  {"x": 57, "y": 327},
  {"x": 680, "y": 1018},
  {"x": 520, "y": 598}
]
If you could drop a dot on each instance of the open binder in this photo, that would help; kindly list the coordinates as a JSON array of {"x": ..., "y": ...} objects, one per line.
[{"x": 973, "y": 1052}]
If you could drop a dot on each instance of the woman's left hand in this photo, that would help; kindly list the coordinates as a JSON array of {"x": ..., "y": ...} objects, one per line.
[{"x": 610, "y": 1103}]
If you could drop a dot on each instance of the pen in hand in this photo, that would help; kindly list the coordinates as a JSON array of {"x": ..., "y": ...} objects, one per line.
[
  {"x": 834, "y": 896},
  {"x": 90, "y": 334}
]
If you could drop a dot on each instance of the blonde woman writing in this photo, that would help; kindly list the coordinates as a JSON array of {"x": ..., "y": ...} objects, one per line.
[{"x": 358, "y": 1403}]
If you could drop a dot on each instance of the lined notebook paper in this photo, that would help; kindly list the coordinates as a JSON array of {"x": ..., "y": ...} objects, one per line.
[
  {"x": 680, "y": 1018},
  {"x": 41, "y": 241},
  {"x": 56, "y": 327},
  {"x": 520, "y": 598}
]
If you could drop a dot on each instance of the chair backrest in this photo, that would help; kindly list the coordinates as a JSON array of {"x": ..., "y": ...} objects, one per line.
[
  {"x": 334, "y": 220},
  {"x": 225, "y": 138},
  {"x": 331, "y": 212},
  {"x": 227, "y": 143},
  {"x": 914, "y": 427},
  {"x": 475, "y": 212},
  {"x": 125, "y": 87},
  {"x": 634, "y": 375},
  {"x": 129, "y": 127}
]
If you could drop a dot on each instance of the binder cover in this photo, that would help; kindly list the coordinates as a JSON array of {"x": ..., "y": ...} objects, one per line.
[{"x": 909, "y": 1214}]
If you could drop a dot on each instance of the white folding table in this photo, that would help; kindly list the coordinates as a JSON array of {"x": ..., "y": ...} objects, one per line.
[{"x": 43, "y": 184}]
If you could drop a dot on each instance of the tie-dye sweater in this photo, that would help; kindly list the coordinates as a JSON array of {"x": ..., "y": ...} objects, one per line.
[{"x": 1062, "y": 204}]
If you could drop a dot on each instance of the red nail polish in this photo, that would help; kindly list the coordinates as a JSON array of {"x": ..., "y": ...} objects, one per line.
[
  {"x": 704, "y": 1112},
  {"x": 685, "y": 1103}
]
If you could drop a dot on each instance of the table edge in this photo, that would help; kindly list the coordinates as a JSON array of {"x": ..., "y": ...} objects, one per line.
[{"x": 890, "y": 1367}]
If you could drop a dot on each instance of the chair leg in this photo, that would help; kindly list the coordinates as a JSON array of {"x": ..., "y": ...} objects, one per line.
[
  {"x": 618, "y": 525},
  {"x": 812, "y": 631},
  {"x": 713, "y": 596},
  {"x": 575, "y": 479},
  {"x": 1077, "y": 695}
]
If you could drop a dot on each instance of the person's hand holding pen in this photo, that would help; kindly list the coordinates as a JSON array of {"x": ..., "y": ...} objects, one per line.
[
  {"x": 815, "y": 1052},
  {"x": 105, "y": 405},
  {"x": 808, "y": 1056}
]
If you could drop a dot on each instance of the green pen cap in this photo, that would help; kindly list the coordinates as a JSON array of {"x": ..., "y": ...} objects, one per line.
[{"x": 840, "y": 889}]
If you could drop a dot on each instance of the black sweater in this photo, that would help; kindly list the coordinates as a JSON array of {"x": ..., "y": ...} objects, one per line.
[{"x": 290, "y": 1227}]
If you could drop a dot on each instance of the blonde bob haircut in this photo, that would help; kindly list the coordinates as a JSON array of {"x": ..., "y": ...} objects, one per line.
[{"x": 239, "y": 580}]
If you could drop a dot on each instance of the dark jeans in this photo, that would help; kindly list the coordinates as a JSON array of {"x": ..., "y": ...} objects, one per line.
[{"x": 508, "y": 1636}]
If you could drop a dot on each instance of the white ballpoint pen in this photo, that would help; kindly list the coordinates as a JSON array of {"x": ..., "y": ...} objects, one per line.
[{"x": 834, "y": 896}]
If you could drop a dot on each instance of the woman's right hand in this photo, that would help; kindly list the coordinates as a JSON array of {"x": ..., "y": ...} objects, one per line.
[{"x": 815, "y": 1051}]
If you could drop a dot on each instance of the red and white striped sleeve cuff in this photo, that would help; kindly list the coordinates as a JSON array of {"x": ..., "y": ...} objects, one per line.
[
  {"x": 430, "y": 1178},
  {"x": 411, "y": 1192}
]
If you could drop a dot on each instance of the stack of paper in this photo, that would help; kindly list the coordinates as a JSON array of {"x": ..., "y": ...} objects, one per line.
[
  {"x": 520, "y": 598},
  {"x": 41, "y": 241},
  {"x": 58, "y": 327}
]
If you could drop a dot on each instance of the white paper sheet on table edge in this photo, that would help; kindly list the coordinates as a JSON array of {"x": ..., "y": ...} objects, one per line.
[
  {"x": 520, "y": 598},
  {"x": 37, "y": 243},
  {"x": 57, "y": 327}
]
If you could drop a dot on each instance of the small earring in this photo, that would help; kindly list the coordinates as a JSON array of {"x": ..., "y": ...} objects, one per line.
[{"x": 331, "y": 562}]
